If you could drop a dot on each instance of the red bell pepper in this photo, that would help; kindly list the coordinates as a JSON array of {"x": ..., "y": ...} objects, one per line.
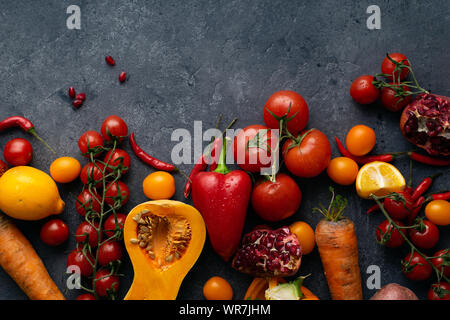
[{"x": 222, "y": 197}]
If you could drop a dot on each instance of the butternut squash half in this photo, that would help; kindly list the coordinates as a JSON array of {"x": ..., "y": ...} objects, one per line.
[{"x": 164, "y": 239}]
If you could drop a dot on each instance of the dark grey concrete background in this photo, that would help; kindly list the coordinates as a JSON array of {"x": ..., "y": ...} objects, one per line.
[{"x": 193, "y": 60}]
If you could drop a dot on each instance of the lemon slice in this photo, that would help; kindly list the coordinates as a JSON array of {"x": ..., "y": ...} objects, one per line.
[{"x": 379, "y": 178}]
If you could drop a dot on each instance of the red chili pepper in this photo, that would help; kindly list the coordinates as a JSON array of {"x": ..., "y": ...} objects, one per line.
[
  {"x": 432, "y": 161},
  {"x": 423, "y": 187},
  {"x": 148, "y": 159},
  {"x": 416, "y": 209},
  {"x": 439, "y": 196},
  {"x": 373, "y": 208},
  {"x": 222, "y": 197},
  {"x": 365, "y": 159},
  {"x": 23, "y": 123}
]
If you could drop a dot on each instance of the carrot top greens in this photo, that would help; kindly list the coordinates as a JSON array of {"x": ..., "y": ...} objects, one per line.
[{"x": 335, "y": 209}]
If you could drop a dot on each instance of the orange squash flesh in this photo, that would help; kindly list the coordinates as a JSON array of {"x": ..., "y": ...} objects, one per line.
[{"x": 160, "y": 266}]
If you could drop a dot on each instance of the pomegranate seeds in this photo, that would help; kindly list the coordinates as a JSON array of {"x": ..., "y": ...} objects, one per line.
[
  {"x": 122, "y": 76},
  {"x": 77, "y": 103},
  {"x": 110, "y": 60},
  {"x": 72, "y": 92},
  {"x": 269, "y": 253},
  {"x": 81, "y": 96}
]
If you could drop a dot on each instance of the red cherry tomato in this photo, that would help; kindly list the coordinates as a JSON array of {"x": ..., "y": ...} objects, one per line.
[
  {"x": 87, "y": 231},
  {"x": 417, "y": 269},
  {"x": 82, "y": 261},
  {"x": 116, "y": 158},
  {"x": 86, "y": 296},
  {"x": 90, "y": 141},
  {"x": 54, "y": 232},
  {"x": 387, "y": 232},
  {"x": 18, "y": 152},
  {"x": 275, "y": 201},
  {"x": 113, "y": 193},
  {"x": 278, "y": 104},
  {"x": 442, "y": 261},
  {"x": 387, "y": 66},
  {"x": 439, "y": 291},
  {"x": 363, "y": 91},
  {"x": 109, "y": 251},
  {"x": 88, "y": 201},
  {"x": 110, "y": 223},
  {"x": 426, "y": 236},
  {"x": 104, "y": 282},
  {"x": 114, "y": 127},
  {"x": 252, "y": 147},
  {"x": 398, "y": 209},
  {"x": 311, "y": 157},
  {"x": 391, "y": 101},
  {"x": 92, "y": 173}
]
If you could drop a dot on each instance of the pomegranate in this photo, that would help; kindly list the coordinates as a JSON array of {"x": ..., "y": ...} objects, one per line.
[
  {"x": 110, "y": 60},
  {"x": 425, "y": 122},
  {"x": 122, "y": 76},
  {"x": 72, "y": 92},
  {"x": 269, "y": 253}
]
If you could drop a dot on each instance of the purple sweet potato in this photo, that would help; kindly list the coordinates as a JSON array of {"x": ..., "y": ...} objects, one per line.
[{"x": 394, "y": 291}]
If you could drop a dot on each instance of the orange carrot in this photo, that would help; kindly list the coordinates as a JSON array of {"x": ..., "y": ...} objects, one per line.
[
  {"x": 338, "y": 249},
  {"x": 21, "y": 262}
]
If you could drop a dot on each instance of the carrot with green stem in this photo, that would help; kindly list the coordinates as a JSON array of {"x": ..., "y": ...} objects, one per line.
[{"x": 338, "y": 249}]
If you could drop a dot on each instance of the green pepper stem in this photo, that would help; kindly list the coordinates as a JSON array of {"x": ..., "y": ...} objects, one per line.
[{"x": 221, "y": 166}]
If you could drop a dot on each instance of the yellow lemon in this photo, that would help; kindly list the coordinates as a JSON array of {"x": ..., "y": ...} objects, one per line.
[
  {"x": 379, "y": 178},
  {"x": 27, "y": 193}
]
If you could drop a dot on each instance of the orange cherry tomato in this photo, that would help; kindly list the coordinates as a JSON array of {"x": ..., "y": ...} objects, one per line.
[
  {"x": 159, "y": 185},
  {"x": 65, "y": 169},
  {"x": 438, "y": 212},
  {"x": 217, "y": 288},
  {"x": 360, "y": 140},
  {"x": 343, "y": 170},
  {"x": 305, "y": 235}
]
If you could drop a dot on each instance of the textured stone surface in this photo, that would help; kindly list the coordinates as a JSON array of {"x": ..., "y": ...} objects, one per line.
[{"x": 196, "y": 59}]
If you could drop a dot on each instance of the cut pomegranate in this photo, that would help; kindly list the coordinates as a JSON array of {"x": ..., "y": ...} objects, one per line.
[
  {"x": 72, "y": 92},
  {"x": 425, "y": 122},
  {"x": 269, "y": 253},
  {"x": 110, "y": 60},
  {"x": 77, "y": 103},
  {"x": 122, "y": 76}
]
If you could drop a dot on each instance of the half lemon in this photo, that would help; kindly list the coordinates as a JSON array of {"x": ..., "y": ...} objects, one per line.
[{"x": 379, "y": 178}]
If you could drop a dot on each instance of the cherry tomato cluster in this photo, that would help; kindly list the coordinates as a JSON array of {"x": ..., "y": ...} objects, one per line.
[
  {"x": 99, "y": 237},
  {"x": 393, "y": 92},
  {"x": 306, "y": 153},
  {"x": 402, "y": 225}
]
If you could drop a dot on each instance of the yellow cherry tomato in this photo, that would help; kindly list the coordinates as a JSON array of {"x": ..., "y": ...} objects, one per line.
[
  {"x": 438, "y": 212},
  {"x": 360, "y": 140},
  {"x": 159, "y": 185},
  {"x": 217, "y": 288},
  {"x": 343, "y": 170},
  {"x": 305, "y": 235},
  {"x": 65, "y": 169}
]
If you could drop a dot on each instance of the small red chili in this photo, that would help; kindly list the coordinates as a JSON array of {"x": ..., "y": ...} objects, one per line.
[
  {"x": 416, "y": 209},
  {"x": 23, "y": 123},
  {"x": 365, "y": 159},
  {"x": 432, "y": 161},
  {"x": 439, "y": 196},
  {"x": 423, "y": 187},
  {"x": 373, "y": 208},
  {"x": 148, "y": 159}
]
